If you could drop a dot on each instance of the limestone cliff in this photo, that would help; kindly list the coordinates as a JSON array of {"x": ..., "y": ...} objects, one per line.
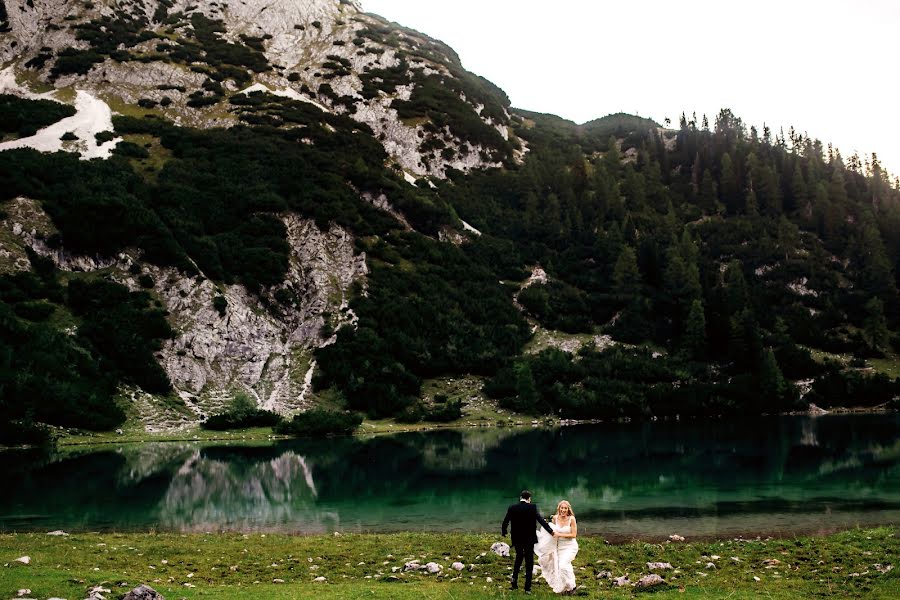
[
  {"x": 249, "y": 345},
  {"x": 163, "y": 53}
]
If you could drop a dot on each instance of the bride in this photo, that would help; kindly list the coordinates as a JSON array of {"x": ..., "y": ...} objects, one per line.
[{"x": 556, "y": 552}]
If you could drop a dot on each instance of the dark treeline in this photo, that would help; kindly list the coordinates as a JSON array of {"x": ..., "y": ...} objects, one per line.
[{"x": 721, "y": 248}]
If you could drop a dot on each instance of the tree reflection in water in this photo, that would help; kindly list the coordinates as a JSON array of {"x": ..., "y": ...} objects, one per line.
[{"x": 709, "y": 477}]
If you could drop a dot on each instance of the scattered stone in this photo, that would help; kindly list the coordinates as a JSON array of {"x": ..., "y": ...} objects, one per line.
[
  {"x": 771, "y": 563},
  {"x": 142, "y": 592},
  {"x": 658, "y": 566},
  {"x": 413, "y": 565},
  {"x": 604, "y": 575},
  {"x": 735, "y": 559},
  {"x": 320, "y": 579},
  {"x": 622, "y": 581},
  {"x": 337, "y": 534},
  {"x": 883, "y": 569},
  {"x": 500, "y": 548},
  {"x": 676, "y": 538},
  {"x": 433, "y": 568},
  {"x": 489, "y": 580},
  {"x": 650, "y": 580},
  {"x": 535, "y": 570},
  {"x": 27, "y": 559},
  {"x": 755, "y": 578},
  {"x": 710, "y": 565},
  {"x": 97, "y": 593},
  {"x": 23, "y": 592},
  {"x": 276, "y": 580},
  {"x": 715, "y": 557},
  {"x": 457, "y": 566},
  {"x": 58, "y": 532}
]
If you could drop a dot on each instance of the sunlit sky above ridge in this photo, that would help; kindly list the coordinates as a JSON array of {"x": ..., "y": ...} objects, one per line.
[{"x": 827, "y": 67}]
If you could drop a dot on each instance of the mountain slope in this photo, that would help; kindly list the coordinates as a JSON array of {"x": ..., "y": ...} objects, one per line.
[{"x": 299, "y": 200}]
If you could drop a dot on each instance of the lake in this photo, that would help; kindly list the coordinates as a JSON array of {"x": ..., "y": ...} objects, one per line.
[{"x": 771, "y": 475}]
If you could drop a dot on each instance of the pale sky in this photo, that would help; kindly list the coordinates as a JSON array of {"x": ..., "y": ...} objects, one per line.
[{"x": 827, "y": 67}]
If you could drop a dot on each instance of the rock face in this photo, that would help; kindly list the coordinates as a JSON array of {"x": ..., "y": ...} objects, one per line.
[
  {"x": 264, "y": 350},
  {"x": 251, "y": 348},
  {"x": 321, "y": 50}
]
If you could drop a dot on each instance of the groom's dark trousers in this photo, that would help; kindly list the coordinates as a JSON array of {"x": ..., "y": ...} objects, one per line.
[{"x": 522, "y": 516}]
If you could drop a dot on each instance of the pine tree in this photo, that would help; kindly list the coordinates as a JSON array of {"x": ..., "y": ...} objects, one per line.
[
  {"x": 798, "y": 196},
  {"x": 708, "y": 201},
  {"x": 772, "y": 385},
  {"x": 527, "y": 396},
  {"x": 728, "y": 186},
  {"x": 875, "y": 329},
  {"x": 751, "y": 206},
  {"x": 870, "y": 258},
  {"x": 695, "y": 331},
  {"x": 837, "y": 189},
  {"x": 626, "y": 275},
  {"x": 736, "y": 296}
]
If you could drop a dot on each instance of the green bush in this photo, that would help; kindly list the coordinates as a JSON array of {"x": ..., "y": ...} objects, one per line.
[
  {"x": 242, "y": 413},
  {"x": 24, "y": 117},
  {"x": 319, "y": 422},
  {"x": 220, "y": 303}
]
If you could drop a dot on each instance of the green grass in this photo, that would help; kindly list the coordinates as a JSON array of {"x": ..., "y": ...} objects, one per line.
[
  {"x": 889, "y": 365},
  {"x": 231, "y": 565}
]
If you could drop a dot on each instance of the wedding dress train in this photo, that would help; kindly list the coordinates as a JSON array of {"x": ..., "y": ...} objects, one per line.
[{"x": 555, "y": 557}]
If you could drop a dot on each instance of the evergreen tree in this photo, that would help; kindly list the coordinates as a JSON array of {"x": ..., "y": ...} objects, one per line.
[
  {"x": 626, "y": 275},
  {"x": 736, "y": 295},
  {"x": 798, "y": 197},
  {"x": 528, "y": 398},
  {"x": 751, "y": 206},
  {"x": 694, "y": 340},
  {"x": 772, "y": 385},
  {"x": 708, "y": 201},
  {"x": 875, "y": 329},
  {"x": 870, "y": 258},
  {"x": 728, "y": 187}
]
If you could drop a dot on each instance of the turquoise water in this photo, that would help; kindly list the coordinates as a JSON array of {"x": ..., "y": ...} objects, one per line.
[{"x": 716, "y": 477}]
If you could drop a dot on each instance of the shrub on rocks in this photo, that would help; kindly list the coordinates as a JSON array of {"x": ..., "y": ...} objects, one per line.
[
  {"x": 320, "y": 422},
  {"x": 242, "y": 413}
]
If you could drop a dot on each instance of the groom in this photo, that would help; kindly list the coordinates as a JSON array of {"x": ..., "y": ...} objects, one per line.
[{"x": 522, "y": 516}]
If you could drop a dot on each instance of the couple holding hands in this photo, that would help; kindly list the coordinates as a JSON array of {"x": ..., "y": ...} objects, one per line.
[{"x": 554, "y": 544}]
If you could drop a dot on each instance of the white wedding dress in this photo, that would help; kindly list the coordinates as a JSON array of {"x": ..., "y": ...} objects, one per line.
[{"x": 555, "y": 557}]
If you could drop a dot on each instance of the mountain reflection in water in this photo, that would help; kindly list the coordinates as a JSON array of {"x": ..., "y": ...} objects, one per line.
[{"x": 777, "y": 474}]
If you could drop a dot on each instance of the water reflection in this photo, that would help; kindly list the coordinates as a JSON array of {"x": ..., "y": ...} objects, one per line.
[{"x": 702, "y": 477}]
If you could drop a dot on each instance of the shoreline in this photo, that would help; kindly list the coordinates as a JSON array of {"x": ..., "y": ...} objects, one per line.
[{"x": 74, "y": 440}]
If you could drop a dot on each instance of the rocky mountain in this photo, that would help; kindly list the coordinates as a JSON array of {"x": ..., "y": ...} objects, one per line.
[
  {"x": 267, "y": 197},
  {"x": 181, "y": 61},
  {"x": 184, "y": 58}
]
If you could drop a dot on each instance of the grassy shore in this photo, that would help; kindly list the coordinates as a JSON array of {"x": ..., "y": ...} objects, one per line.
[{"x": 851, "y": 564}]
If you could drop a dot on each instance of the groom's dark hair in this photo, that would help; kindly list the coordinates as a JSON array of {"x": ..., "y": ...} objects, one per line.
[{"x": 525, "y": 495}]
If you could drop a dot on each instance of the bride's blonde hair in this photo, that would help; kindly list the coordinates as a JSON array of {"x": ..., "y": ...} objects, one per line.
[{"x": 560, "y": 505}]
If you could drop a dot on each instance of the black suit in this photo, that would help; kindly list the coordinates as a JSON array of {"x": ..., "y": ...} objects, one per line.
[{"x": 522, "y": 516}]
